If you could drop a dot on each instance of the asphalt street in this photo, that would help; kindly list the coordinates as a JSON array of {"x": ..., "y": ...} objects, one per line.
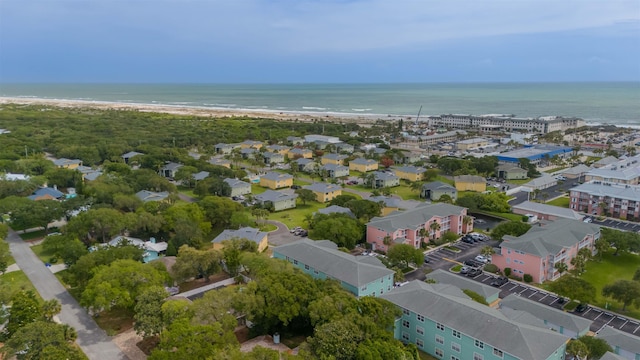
[
  {"x": 92, "y": 340},
  {"x": 549, "y": 193}
]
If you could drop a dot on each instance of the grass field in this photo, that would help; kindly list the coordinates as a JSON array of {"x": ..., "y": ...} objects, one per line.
[
  {"x": 34, "y": 235},
  {"x": 295, "y": 217},
  {"x": 607, "y": 271},
  {"x": 187, "y": 191},
  {"x": 518, "y": 181},
  {"x": 560, "y": 202},
  {"x": 257, "y": 189},
  {"x": 406, "y": 193},
  {"x": 43, "y": 255},
  {"x": 14, "y": 282}
]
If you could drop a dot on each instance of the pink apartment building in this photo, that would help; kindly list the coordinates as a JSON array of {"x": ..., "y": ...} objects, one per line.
[
  {"x": 403, "y": 227},
  {"x": 604, "y": 198},
  {"x": 545, "y": 244}
]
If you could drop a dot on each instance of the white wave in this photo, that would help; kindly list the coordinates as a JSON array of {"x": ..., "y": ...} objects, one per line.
[
  {"x": 221, "y": 105},
  {"x": 313, "y": 108},
  {"x": 361, "y": 110}
]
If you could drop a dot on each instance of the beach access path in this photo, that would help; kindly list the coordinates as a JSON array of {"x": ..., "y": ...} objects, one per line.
[{"x": 92, "y": 340}]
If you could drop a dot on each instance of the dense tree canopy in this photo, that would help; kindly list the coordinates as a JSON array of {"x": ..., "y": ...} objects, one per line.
[
  {"x": 513, "y": 228},
  {"x": 342, "y": 229}
]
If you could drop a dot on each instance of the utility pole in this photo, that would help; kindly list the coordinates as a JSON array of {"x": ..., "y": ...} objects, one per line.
[{"x": 26, "y": 151}]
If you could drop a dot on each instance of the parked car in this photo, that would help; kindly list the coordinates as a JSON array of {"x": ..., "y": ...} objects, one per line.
[
  {"x": 499, "y": 281},
  {"x": 474, "y": 272},
  {"x": 427, "y": 260},
  {"x": 581, "y": 308},
  {"x": 481, "y": 259},
  {"x": 464, "y": 270},
  {"x": 473, "y": 263},
  {"x": 295, "y": 187},
  {"x": 468, "y": 240},
  {"x": 588, "y": 219}
]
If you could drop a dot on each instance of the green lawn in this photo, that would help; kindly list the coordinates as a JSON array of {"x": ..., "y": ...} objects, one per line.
[
  {"x": 295, "y": 217},
  {"x": 301, "y": 182},
  {"x": 444, "y": 180},
  {"x": 425, "y": 356},
  {"x": 13, "y": 282},
  {"x": 518, "y": 181},
  {"x": 268, "y": 227},
  {"x": 43, "y": 255},
  {"x": 508, "y": 216},
  {"x": 187, "y": 191},
  {"x": 607, "y": 271},
  {"x": 38, "y": 234},
  {"x": 257, "y": 189},
  {"x": 405, "y": 192},
  {"x": 561, "y": 202}
]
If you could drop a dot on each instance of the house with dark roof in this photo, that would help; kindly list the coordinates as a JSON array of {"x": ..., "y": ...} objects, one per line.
[
  {"x": 324, "y": 192},
  {"x": 146, "y": 195},
  {"x": 547, "y": 243},
  {"x": 415, "y": 226},
  {"x": 279, "y": 200},
  {"x": 126, "y": 157},
  {"x": 88, "y": 173},
  {"x": 335, "y": 209},
  {"x": 199, "y": 176},
  {"x": 238, "y": 187},
  {"x": 225, "y": 149},
  {"x": 249, "y": 233},
  {"x": 47, "y": 193},
  {"x": 435, "y": 189},
  {"x": 335, "y": 171},
  {"x": 489, "y": 293},
  {"x": 557, "y": 320},
  {"x": 510, "y": 171},
  {"x": 444, "y": 322},
  {"x": 361, "y": 275},
  {"x": 305, "y": 165},
  {"x": 169, "y": 170},
  {"x": 272, "y": 158},
  {"x": 624, "y": 344}
]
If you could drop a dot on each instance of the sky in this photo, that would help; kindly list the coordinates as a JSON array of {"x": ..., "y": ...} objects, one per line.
[{"x": 318, "y": 41}]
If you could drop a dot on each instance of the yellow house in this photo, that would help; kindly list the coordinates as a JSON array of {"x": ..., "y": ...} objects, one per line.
[
  {"x": 470, "y": 183},
  {"x": 411, "y": 173},
  {"x": 67, "y": 163},
  {"x": 249, "y": 233},
  {"x": 335, "y": 159},
  {"x": 363, "y": 165},
  {"x": 278, "y": 149},
  {"x": 389, "y": 204},
  {"x": 274, "y": 180},
  {"x": 300, "y": 153},
  {"x": 324, "y": 192},
  {"x": 251, "y": 144}
]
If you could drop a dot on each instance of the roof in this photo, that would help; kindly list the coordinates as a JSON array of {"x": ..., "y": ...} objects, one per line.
[
  {"x": 201, "y": 175},
  {"x": 146, "y": 245},
  {"x": 236, "y": 183},
  {"x": 92, "y": 175},
  {"x": 299, "y": 151},
  {"x": 473, "y": 141},
  {"x": 14, "y": 177},
  {"x": 64, "y": 161},
  {"x": 551, "y": 238},
  {"x": 248, "y": 150},
  {"x": 625, "y": 169},
  {"x": 323, "y": 255},
  {"x": 379, "y": 175},
  {"x": 445, "y": 277},
  {"x": 146, "y": 195},
  {"x": 362, "y": 161},
  {"x": 248, "y": 233},
  {"x": 274, "y": 196},
  {"x": 412, "y": 219},
  {"x": 534, "y": 152},
  {"x": 469, "y": 179},
  {"x": 276, "y": 176},
  {"x": 54, "y": 193},
  {"x": 545, "y": 179},
  {"x": 333, "y": 209},
  {"x": 568, "y": 321},
  {"x": 388, "y": 201},
  {"x": 438, "y": 185},
  {"x": 606, "y": 161},
  {"x": 171, "y": 166},
  {"x": 268, "y": 154},
  {"x": 303, "y": 161},
  {"x": 131, "y": 154},
  {"x": 411, "y": 169},
  {"x": 621, "y": 339},
  {"x": 597, "y": 188},
  {"x": 223, "y": 145},
  {"x": 447, "y": 305},
  {"x": 577, "y": 170},
  {"x": 334, "y": 157},
  {"x": 510, "y": 167},
  {"x": 322, "y": 187},
  {"x": 335, "y": 167},
  {"x": 536, "y": 207},
  {"x": 611, "y": 356}
]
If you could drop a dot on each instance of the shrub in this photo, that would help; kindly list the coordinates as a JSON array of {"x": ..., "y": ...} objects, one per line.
[
  {"x": 528, "y": 278},
  {"x": 525, "y": 218},
  {"x": 456, "y": 268},
  {"x": 515, "y": 277},
  {"x": 53, "y": 260},
  {"x": 507, "y": 271},
  {"x": 491, "y": 268}
]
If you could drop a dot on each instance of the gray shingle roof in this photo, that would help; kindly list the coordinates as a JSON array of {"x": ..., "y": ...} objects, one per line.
[
  {"x": 411, "y": 169},
  {"x": 362, "y": 161},
  {"x": 334, "y": 157},
  {"x": 443, "y": 304},
  {"x": 446, "y": 277},
  {"x": 171, "y": 166},
  {"x": 322, "y": 187},
  {"x": 336, "y": 209},
  {"x": 131, "y": 154},
  {"x": 620, "y": 339},
  {"x": 335, "y": 167},
  {"x": 236, "y": 183},
  {"x": 606, "y": 161},
  {"x": 469, "y": 178},
  {"x": 551, "y": 238},
  {"x": 411, "y": 219},
  {"x": 543, "y": 180},
  {"x": 274, "y": 196},
  {"x": 276, "y": 176},
  {"x": 437, "y": 185},
  {"x": 611, "y": 356},
  {"x": 379, "y": 175},
  {"x": 324, "y": 256},
  {"x": 248, "y": 233},
  {"x": 146, "y": 195},
  {"x": 629, "y": 192},
  {"x": 577, "y": 170},
  {"x": 568, "y": 321},
  {"x": 201, "y": 175},
  {"x": 548, "y": 209}
]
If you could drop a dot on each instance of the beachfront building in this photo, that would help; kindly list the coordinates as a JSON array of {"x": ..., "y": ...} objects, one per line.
[
  {"x": 544, "y": 211},
  {"x": 538, "y": 250},
  {"x": 535, "y": 154},
  {"x": 625, "y": 171},
  {"x": 490, "y": 294},
  {"x": 297, "y": 153},
  {"x": 324, "y": 192},
  {"x": 427, "y": 140},
  {"x": 249, "y": 233},
  {"x": 436, "y": 189},
  {"x": 274, "y": 180},
  {"x": 470, "y": 183},
  {"x": 169, "y": 170},
  {"x": 499, "y": 122},
  {"x": 276, "y": 200},
  {"x": 238, "y": 187},
  {"x": 511, "y": 172},
  {"x": 361, "y": 275},
  {"x": 614, "y": 200},
  {"x": 623, "y": 344},
  {"x": 411, "y": 173},
  {"x": 471, "y": 144},
  {"x": 415, "y": 226},
  {"x": 335, "y": 171},
  {"x": 363, "y": 165},
  {"x": 444, "y": 322},
  {"x": 64, "y": 163}
]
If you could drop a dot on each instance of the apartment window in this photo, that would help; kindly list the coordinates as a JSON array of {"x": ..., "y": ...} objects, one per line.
[
  {"x": 497, "y": 352},
  {"x": 454, "y": 358},
  {"x": 405, "y": 311},
  {"x": 306, "y": 267},
  {"x": 440, "y": 326},
  {"x": 288, "y": 258},
  {"x": 439, "y": 353},
  {"x": 479, "y": 344},
  {"x": 477, "y": 356},
  {"x": 420, "y": 317},
  {"x": 315, "y": 272},
  {"x": 405, "y": 323},
  {"x": 405, "y": 336},
  {"x": 295, "y": 262},
  {"x": 439, "y": 340},
  {"x": 420, "y": 343},
  {"x": 455, "y": 346},
  {"x": 419, "y": 330},
  {"x": 455, "y": 333}
]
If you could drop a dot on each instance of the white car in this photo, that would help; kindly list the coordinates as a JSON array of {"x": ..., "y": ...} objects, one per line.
[{"x": 481, "y": 259}]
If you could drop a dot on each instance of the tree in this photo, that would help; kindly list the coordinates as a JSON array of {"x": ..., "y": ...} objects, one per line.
[
  {"x": 364, "y": 209},
  {"x": 386, "y": 161},
  {"x": 218, "y": 210},
  {"x": 513, "y": 228},
  {"x": 636, "y": 275},
  {"x": 580, "y": 261},
  {"x": 561, "y": 266},
  {"x": 574, "y": 288},
  {"x": 578, "y": 349},
  {"x": 212, "y": 186},
  {"x": 434, "y": 227},
  {"x": 337, "y": 340},
  {"x": 185, "y": 175},
  {"x": 601, "y": 245},
  {"x": 25, "y": 309},
  {"x": 405, "y": 254},
  {"x": 339, "y": 228},
  {"x": 148, "y": 311},
  {"x": 43, "y": 340},
  {"x": 597, "y": 347},
  {"x": 342, "y": 200},
  {"x": 196, "y": 263},
  {"x": 80, "y": 272},
  {"x": 625, "y": 291},
  {"x": 231, "y": 251},
  {"x": 487, "y": 250},
  {"x": 305, "y": 195},
  {"x": 467, "y": 221},
  {"x": 5, "y": 256},
  {"x": 430, "y": 175},
  {"x": 216, "y": 307},
  {"x": 125, "y": 202},
  {"x": 185, "y": 340},
  {"x": 416, "y": 186}
]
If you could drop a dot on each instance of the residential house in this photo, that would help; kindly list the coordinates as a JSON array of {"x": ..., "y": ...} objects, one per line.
[
  {"x": 67, "y": 163},
  {"x": 323, "y": 138},
  {"x": 557, "y": 320},
  {"x": 324, "y": 192},
  {"x": 391, "y": 204},
  {"x": 510, "y": 171},
  {"x": 361, "y": 275},
  {"x": 384, "y": 179},
  {"x": 544, "y": 211},
  {"x": 538, "y": 250},
  {"x": 335, "y": 209},
  {"x": 335, "y": 171},
  {"x": 238, "y": 187},
  {"x": 336, "y": 159},
  {"x": 282, "y": 150},
  {"x": 294, "y": 140},
  {"x": 576, "y": 172},
  {"x": 14, "y": 177},
  {"x": 305, "y": 165},
  {"x": 490, "y": 294},
  {"x": 224, "y": 149},
  {"x": 47, "y": 193},
  {"x": 251, "y": 144},
  {"x": 543, "y": 182},
  {"x": 169, "y": 170},
  {"x": 614, "y": 200},
  {"x": 404, "y": 227},
  {"x": 363, "y": 165},
  {"x": 88, "y": 174},
  {"x": 297, "y": 153},
  {"x": 470, "y": 183},
  {"x": 220, "y": 162},
  {"x": 249, "y": 233},
  {"x": 410, "y": 157},
  {"x": 249, "y": 153},
  {"x": 152, "y": 248},
  {"x": 444, "y": 322},
  {"x": 272, "y": 158},
  {"x": 344, "y": 148},
  {"x": 605, "y": 161},
  {"x": 199, "y": 176},
  {"x": 275, "y": 180},
  {"x": 146, "y": 195},
  {"x": 411, "y": 173},
  {"x": 278, "y": 200},
  {"x": 128, "y": 156},
  {"x": 623, "y": 344},
  {"x": 435, "y": 189}
]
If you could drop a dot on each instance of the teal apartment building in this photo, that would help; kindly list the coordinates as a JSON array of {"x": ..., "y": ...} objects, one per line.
[
  {"x": 442, "y": 321},
  {"x": 361, "y": 275}
]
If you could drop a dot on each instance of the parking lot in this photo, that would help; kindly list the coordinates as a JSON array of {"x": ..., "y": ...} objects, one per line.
[{"x": 620, "y": 225}]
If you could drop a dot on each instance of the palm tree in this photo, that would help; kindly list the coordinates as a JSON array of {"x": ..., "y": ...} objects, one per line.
[
  {"x": 416, "y": 186},
  {"x": 434, "y": 226},
  {"x": 387, "y": 240},
  {"x": 561, "y": 267},
  {"x": 487, "y": 251},
  {"x": 423, "y": 233},
  {"x": 466, "y": 221}
]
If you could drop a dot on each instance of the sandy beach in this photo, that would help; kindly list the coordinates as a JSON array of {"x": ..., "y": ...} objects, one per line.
[{"x": 203, "y": 111}]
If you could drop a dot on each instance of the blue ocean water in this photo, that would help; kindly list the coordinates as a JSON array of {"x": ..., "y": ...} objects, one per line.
[{"x": 603, "y": 102}]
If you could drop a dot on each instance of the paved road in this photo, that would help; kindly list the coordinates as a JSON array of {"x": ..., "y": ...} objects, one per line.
[
  {"x": 282, "y": 235},
  {"x": 94, "y": 341}
]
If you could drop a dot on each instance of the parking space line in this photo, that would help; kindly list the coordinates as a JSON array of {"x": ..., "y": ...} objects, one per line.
[
  {"x": 534, "y": 292},
  {"x": 556, "y": 299},
  {"x": 610, "y": 320},
  {"x": 514, "y": 286},
  {"x": 597, "y": 317},
  {"x": 525, "y": 289},
  {"x": 625, "y": 323},
  {"x": 634, "y": 331},
  {"x": 542, "y": 298}
]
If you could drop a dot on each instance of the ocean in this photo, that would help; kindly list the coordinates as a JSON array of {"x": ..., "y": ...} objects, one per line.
[{"x": 598, "y": 103}]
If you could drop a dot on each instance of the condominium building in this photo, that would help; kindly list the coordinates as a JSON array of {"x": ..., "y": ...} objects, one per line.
[
  {"x": 614, "y": 200},
  {"x": 543, "y": 124},
  {"x": 626, "y": 171}
]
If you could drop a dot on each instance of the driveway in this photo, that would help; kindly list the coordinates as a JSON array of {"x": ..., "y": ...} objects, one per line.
[
  {"x": 92, "y": 340},
  {"x": 281, "y": 235}
]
